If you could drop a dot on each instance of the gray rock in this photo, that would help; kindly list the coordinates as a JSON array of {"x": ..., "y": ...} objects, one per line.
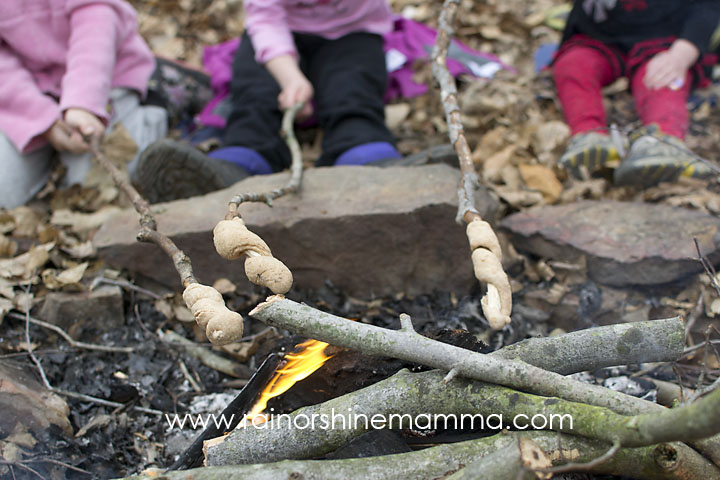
[
  {"x": 84, "y": 315},
  {"x": 625, "y": 243},
  {"x": 371, "y": 231}
]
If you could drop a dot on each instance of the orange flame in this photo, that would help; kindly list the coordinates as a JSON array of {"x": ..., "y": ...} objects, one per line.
[{"x": 299, "y": 365}]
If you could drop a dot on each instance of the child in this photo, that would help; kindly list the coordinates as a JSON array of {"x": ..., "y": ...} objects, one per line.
[
  {"x": 69, "y": 69},
  {"x": 662, "y": 47},
  {"x": 323, "y": 52}
]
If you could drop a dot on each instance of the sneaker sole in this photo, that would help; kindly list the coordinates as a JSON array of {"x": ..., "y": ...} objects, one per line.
[
  {"x": 650, "y": 173},
  {"x": 596, "y": 159},
  {"x": 168, "y": 171}
]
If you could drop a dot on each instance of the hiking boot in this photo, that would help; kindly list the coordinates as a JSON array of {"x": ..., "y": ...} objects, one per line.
[
  {"x": 655, "y": 157},
  {"x": 168, "y": 170},
  {"x": 591, "y": 152}
]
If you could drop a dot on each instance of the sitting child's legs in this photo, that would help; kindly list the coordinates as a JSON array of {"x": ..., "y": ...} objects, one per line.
[
  {"x": 23, "y": 175},
  {"x": 657, "y": 153},
  {"x": 665, "y": 107},
  {"x": 349, "y": 78},
  {"x": 255, "y": 120},
  {"x": 580, "y": 72}
]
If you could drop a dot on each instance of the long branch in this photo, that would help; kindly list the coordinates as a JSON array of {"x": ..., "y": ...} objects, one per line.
[
  {"x": 660, "y": 462},
  {"x": 296, "y": 169},
  {"x": 486, "y": 255},
  {"x": 148, "y": 225},
  {"x": 448, "y": 93}
]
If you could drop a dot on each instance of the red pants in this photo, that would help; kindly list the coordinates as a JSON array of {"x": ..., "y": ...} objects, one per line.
[{"x": 581, "y": 71}]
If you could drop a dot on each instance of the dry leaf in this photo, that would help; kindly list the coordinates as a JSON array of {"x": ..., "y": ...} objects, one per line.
[
  {"x": 27, "y": 221},
  {"x": 82, "y": 222},
  {"x": 37, "y": 257},
  {"x": 493, "y": 166},
  {"x": 183, "y": 314},
  {"x": 519, "y": 198},
  {"x": 8, "y": 247},
  {"x": 81, "y": 250},
  {"x": 542, "y": 179},
  {"x": 550, "y": 136},
  {"x": 6, "y": 289},
  {"x": 395, "y": 114},
  {"x": 72, "y": 275},
  {"x": 7, "y": 222},
  {"x": 163, "y": 306},
  {"x": 223, "y": 285},
  {"x": 5, "y": 306},
  {"x": 23, "y": 302}
]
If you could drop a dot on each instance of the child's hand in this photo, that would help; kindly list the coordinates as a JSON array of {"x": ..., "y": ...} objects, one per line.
[
  {"x": 671, "y": 66},
  {"x": 65, "y": 139},
  {"x": 84, "y": 122},
  {"x": 299, "y": 90},
  {"x": 295, "y": 87}
]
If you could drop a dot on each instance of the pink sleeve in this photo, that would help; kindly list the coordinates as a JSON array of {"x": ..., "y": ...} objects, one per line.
[
  {"x": 94, "y": 36},
  {"x": 266, "y": 23},
  {"x": 26, "y": 112}
]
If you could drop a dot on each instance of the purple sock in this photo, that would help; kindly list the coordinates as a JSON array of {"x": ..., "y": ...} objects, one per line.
[
  {"x": 244, "y": 157},
  {"x": 367, "y": 153}
]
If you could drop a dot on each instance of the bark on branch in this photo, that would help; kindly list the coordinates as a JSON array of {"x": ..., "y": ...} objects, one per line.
[
  {"x": 148, "y": 225},
  {"x": 659, "y": 462},
  {"x": 486, "y": 255},
  {"x": 296, "y": 169}
]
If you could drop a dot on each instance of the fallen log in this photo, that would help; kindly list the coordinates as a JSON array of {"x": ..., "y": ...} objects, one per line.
[{"x": 659, "y": 462}]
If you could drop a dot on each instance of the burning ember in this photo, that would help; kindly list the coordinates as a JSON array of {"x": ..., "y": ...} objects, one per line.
[{"x": 307, "y": 357}]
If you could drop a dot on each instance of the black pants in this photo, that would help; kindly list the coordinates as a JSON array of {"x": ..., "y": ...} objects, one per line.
[{"x": 349, "y": 78}]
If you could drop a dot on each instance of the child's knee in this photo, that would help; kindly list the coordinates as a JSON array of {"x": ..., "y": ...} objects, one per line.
[{"x": 23, "y": 174}]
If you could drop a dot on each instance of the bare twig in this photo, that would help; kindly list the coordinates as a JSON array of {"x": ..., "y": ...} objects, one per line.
[
  {"x": 448, "y": 92},
  {"x": 68, "y": 338},
  {"x": 486, "y": 256},
  {"x": 34, "y": 359},
  {"x": 148, "y": 225},
  {"x": 58, "y": 463},
  {"x": 296, "y": 169},
  {"x": 126, "y": 285},
  {"x": 105, "y": 403},
  {"x": 22, "y": 466},
  {"x": 708, "y": 267},
  {"x": 208, "y": 358},
  {"x": 193, "y": 383}
]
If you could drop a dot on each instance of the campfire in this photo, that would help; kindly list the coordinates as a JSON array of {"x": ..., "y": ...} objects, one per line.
[{"x": 305, "y": 359}]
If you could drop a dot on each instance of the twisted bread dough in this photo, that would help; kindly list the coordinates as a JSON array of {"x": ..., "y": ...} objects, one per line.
[
  {"x": 222, "y": 325},
  {"x": 487, "y": 265},
  {"x": 233, "y": 240}
]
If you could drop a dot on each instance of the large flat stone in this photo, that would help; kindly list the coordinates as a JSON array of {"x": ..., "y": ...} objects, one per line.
[
  {"x": 371, "y": 231},
  {"x": 625, "y": 243}
]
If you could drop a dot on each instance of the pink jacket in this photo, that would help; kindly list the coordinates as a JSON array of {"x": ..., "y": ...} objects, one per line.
[
  {"x": 58, "y": 54},
  {"x": 270, "y": 22}
]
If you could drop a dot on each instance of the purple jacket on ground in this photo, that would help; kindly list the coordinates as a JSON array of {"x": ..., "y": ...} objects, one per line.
[{"x": 60, "y": 54}]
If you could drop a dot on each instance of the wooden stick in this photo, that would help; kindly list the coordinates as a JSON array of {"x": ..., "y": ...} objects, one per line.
[{"x": 296, "y": 169}]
